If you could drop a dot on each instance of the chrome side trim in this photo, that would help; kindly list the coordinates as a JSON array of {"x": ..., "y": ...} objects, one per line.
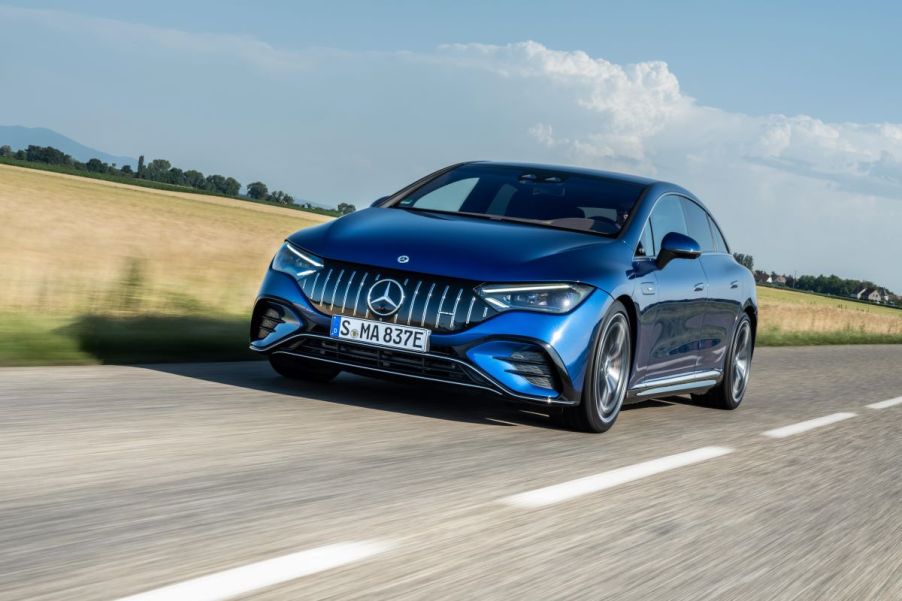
[
  {"x": 679, "y": 379},
  {"x": 694, "y": 385}
]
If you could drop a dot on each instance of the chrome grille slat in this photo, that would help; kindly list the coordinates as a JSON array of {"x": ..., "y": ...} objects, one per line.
[
  {"x": 454, "y": 312},
  {"x": 341, "y": 289},
  {"x": 470, "y": 310},
  {"x": 335, "y": 289},
  {"x": 441, "y": 305},
  {"x": 344, "y": 301},
  {"x": 313, "y": 288},
  {"x": 322, "y": 295},
  {"x": 399, "y": 311},
  {"x": 413, "y": 301},
  {"x": 426, "y": 305},
  {"x": 357, "y": 300}
]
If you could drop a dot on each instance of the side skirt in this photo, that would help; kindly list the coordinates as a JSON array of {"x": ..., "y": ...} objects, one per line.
[{"x": 693, "y": 382}]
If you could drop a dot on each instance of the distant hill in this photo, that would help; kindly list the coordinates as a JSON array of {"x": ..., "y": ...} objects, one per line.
[{"x": 20, "y": 137}]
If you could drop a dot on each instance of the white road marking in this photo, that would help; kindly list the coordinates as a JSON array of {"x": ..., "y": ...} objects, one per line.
[
  {"x": 811, "y": 424},
  {"x": 885, "y": 404},
  {"x": 583, "y": 486},
  {"x": 243, "y": 580}
]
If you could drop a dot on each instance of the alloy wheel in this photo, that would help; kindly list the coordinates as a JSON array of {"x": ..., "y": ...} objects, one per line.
[
  {"x": 612, "y": 368},
  {"x": 742, "y": 359}
]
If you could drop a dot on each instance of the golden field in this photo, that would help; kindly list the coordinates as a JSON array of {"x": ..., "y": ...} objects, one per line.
[
  {"x": 787, "y": 316},
  {"x": 95, "y": 271},
  {"x": 71, "y": 245}
]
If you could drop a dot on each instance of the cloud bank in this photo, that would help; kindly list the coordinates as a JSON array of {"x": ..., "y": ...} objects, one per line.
[{"x": 799, "y": 193}]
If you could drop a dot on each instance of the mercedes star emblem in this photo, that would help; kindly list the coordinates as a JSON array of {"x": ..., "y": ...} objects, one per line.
[{"x": 385, "y": 297}]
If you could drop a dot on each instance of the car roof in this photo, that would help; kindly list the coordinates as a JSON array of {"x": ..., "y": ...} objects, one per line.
[{"x": 576, "y": 171}]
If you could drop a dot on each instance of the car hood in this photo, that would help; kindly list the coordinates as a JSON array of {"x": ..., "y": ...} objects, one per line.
[{"x": 463, "y": 247}]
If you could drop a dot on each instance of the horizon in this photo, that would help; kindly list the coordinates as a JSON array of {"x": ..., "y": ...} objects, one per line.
[{"x": 349, "y": 113}]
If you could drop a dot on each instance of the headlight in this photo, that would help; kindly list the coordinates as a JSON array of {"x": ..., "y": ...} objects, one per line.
[
  {"x": 295, "y": 262},
  {"x": 551, "y": 298}
]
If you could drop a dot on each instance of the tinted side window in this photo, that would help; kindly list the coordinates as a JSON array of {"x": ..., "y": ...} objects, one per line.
[
  {"x": 719, "y": 243},
  {"x": 697, "y": 222},
  {"x": 667, "y": 217}
]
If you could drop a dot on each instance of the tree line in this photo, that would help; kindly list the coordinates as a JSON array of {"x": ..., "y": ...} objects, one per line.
[
  {"x": 822, "y": 284},
  {"x": 162, "y": 171}
]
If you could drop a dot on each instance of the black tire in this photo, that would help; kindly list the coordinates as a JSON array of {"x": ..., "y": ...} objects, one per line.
[
  {"x": 298, "y": 368},
  {"x": 728, "y": 394},
  {"x": 596, "y": 413}
]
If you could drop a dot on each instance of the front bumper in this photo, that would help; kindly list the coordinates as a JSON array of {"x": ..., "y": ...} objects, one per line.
[{"x": 528, "y": 356}]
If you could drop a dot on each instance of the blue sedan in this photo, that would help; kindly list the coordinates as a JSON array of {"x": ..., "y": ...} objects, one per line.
[{"x": 573, "y": 288}]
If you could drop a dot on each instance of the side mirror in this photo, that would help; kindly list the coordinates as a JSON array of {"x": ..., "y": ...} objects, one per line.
[
  {"x": 378, "y": 202},
  {"x": 677, "y": 246}
]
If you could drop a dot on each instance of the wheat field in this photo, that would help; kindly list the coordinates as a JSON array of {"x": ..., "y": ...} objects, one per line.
[{"x": 71, "y": 245}]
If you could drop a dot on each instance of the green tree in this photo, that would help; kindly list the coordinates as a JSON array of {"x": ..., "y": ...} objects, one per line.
[
  {"x": 157, "y": 170},
  {"x": 141, "y": 166},
  {"x": 127, "y": 170},
  {"x": 231, "y": 186},
  {"x": 746, "y": 261},
  {"x": 346, "y": 208},
  {"x": 96, "y": 166},
  {"x": 257, "y": 190},
  {"x": 6, "y": 151},
  {"x": 194, "y": 178}
]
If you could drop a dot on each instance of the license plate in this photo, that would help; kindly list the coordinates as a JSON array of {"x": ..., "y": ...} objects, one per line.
[{"x": 379, "y": 332}]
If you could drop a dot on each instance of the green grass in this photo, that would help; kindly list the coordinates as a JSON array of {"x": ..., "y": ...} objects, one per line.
[
  {"x": 777, "y": 338},
  {"x": 92, "y": 339}
]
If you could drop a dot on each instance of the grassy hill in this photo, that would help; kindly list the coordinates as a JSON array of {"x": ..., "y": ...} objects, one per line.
[{"x": 100, "y": 271}]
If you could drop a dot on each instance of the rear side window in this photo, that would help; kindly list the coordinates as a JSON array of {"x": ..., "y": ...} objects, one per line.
[
  {"x": 698, "y": 225},
  {"x": 667, "y": 217},
  {"x": 719, "y": 243}
]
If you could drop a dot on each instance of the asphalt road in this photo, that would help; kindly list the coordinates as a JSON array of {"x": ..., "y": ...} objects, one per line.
[{"x": 116, "y": 481}]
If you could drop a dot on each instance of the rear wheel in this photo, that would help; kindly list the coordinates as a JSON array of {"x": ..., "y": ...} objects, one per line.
[
  {"x": 606, "y": 376},
  {"x": 298, "y": 368},
  {"x": 737, "y": 369}
]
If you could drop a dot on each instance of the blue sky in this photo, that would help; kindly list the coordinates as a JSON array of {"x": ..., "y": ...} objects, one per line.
[{"x": 784, "y": 117}]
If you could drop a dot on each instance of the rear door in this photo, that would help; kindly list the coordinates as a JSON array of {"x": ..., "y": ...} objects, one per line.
[{"x": 719, "y": 313}]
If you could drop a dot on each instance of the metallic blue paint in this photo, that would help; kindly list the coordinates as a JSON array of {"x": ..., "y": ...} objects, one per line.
[{"x": 683, "y": 313}]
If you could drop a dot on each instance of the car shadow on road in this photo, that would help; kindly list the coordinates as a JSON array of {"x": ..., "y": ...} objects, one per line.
[{"x": 432, "y": 401}]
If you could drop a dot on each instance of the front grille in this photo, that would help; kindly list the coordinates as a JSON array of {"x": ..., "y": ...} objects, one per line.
[
  {"x": 442, "y": 305},
  {"x": 533, "y": 366},
  {"x": 398, "y": 362}
]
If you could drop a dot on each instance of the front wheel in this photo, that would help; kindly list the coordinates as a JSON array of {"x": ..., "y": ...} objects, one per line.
[
  {"x": 297, "y": 368},
  {"x": 607, "y": 375}
]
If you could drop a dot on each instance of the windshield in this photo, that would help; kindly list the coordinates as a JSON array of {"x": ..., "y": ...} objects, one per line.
[{"x": 533, "y": 195}]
